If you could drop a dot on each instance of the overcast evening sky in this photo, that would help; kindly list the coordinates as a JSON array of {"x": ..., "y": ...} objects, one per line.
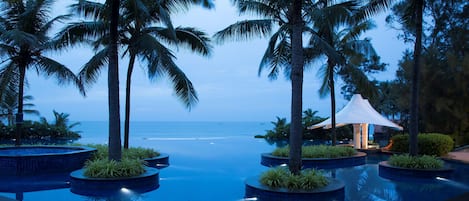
[{"x": 228, "y": 86}]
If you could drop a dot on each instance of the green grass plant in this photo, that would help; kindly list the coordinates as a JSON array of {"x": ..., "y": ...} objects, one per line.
[
  {"x": 416, "y": 162},
  {"x": 131, "y": 153},
  {"x": 282, "y": 178},
  {"x": 103, "y": 168},
  {"x": 318, "y": 151}
]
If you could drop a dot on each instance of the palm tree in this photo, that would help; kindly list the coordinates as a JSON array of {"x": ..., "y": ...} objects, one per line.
[
  {"x": 285, "y": 50},
  {"x": 354, "y": 52},
  {"x": 9, "y": 104},
  {"x": 140, "y": 39},
  {"x": 24, "y": 26},
  {"x": 61, "y": 121}
]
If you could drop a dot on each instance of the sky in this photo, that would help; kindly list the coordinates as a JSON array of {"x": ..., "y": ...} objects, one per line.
[{"x": 227, "y": 83}]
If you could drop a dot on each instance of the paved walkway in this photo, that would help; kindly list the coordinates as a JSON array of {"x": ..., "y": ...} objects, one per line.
[{"x": 461, "y": 155}]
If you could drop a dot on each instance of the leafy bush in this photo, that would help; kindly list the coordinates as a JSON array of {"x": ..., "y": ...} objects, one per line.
[
  {"x": 433, "y": 144},
  {"x": 282, "y": 178},
  {"x": 103, "y": 168},
  {"x": 317, "y": 151},
  {"x": 131, "y": 153},
  {"x": 39, "y": 133},
  {"x": 416, "y": 162}
]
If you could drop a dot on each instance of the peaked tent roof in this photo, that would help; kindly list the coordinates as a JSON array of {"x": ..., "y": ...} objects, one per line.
[{"x": 357, "y": 111}]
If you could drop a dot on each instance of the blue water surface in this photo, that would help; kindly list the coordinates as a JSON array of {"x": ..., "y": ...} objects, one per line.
[{"x": 211, "y": 160}]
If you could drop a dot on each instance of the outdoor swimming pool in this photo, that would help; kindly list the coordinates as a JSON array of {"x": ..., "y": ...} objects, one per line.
[{"x": 212, "y": 164}]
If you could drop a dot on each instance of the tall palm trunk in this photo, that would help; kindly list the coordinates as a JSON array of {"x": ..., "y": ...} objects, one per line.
[
  {"x": 296, "y": 127},
  {"x": 127, "y": 101},
  {"x": 115, "y": 146},
  {"x": 19, "y": 114},
  {"x": 414, "y": 106},
  {"x": 330, "y": 68}
]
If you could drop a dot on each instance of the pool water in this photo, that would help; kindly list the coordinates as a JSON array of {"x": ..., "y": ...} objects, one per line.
[{"x": 210, "y": 167}]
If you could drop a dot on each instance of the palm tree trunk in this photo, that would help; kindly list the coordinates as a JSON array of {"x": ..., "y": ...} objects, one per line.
[
  {"x": 414, "y": 106},
  {"x": 296, "y": 127},
  {"x": 127, "y": 101},
  {"x": 115, "y": 146},
  {"x": 19, "y": 114},
  {"x": 330, "y": 68}
]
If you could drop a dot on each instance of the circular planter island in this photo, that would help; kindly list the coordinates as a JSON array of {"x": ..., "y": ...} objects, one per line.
[
  {"x": 159, "y": 162},
  {"x": 267, "y": 159},
  {"x": 82, "y": 185},
  {"x": 255, "y": 190},
  {"x": 398, "y": 173}
]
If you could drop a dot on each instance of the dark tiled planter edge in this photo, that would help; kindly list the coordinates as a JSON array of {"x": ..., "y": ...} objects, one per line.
[
  {"x": 79, "y": 184},
  {"x": 159, "y": 162},
  {"x": 333, "y": 191},
  {"x": 397, "y": 173},
  {"x": 267, "y": 159}
]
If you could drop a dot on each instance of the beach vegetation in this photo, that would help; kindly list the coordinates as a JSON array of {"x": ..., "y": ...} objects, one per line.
[
  {"x": 104, "y": 168},
  {"x": 318, "y": 151},
  {"x": 59, "y": 131},
  {"x": 433, "y": 144},
  {"x": 281, "y": 129},
  {"x": 416, "y": 162},
  {"x": 25, "y": 45},
  {"x": 280, "y": 177}
]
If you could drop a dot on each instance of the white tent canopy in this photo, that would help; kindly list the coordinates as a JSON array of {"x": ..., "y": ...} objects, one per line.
[
  {"x": 360, "y": 113},
  {"x": 357, "y": 111}
]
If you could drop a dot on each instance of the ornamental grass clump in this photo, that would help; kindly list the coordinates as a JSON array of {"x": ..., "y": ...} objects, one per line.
[
  {"x": 131, "y": 153},
  {"x": 416, "y": 162},
  {"x": 282, "y": 178},
  {"x": 317, "y": 151},
  {"x": 103, "y": 168}
]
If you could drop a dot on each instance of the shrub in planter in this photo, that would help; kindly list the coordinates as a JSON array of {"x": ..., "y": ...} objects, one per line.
[
  {"x": 416, "y": 162},
  {"x": 282, "y": 178},
  {"x": 103, "y": 168},
  {"x": 433, "y": 144},
  {"x": 318, "y": 151},
  {"x": 131, "y": 153}
]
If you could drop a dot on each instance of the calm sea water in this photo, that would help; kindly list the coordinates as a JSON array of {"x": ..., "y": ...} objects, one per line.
[{"x": 211, "y": 160}]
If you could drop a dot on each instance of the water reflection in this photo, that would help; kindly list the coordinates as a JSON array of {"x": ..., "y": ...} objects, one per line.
[
  {"x": 364, "y": 183},
  {"x": 19, "y": 185}
]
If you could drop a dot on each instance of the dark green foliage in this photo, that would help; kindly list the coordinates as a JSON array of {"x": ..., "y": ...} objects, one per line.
[
  {"x": 320, "y": 151},
  {"x": 281, "y": 130},
  {"x": 130, "y": 153},
  {"x": 37, "y": 132},
  {"x": 281, "y": 178},
  {"x": 444, "y": 70},
  {"x": 432, "y": 144},
  {"x": 104, "y": 168},
  {"x": 416, "y": 162}
]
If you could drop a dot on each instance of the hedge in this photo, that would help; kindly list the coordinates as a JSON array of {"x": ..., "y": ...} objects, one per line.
[{"x": 433, "y": 144}]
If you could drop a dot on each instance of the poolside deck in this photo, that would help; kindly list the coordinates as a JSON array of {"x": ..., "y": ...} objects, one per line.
[{"x": 460, "y": 155}]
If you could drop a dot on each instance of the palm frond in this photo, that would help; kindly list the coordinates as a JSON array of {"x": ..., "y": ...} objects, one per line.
[
  {"x": 244, "y": 30},
  {"x": 89, "y": 74},
  {"x": 63, "y": 75},
  {"x": 355, "y": 31},
  {"x": 196, "y": 40},
  {"x": 259, "y": 8},
  {"x": 80, "y": 32},
  {"x": 183, "y": 87},
  {"x": 373, "y": 7},
  {"x": 89, "y": 9}
]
